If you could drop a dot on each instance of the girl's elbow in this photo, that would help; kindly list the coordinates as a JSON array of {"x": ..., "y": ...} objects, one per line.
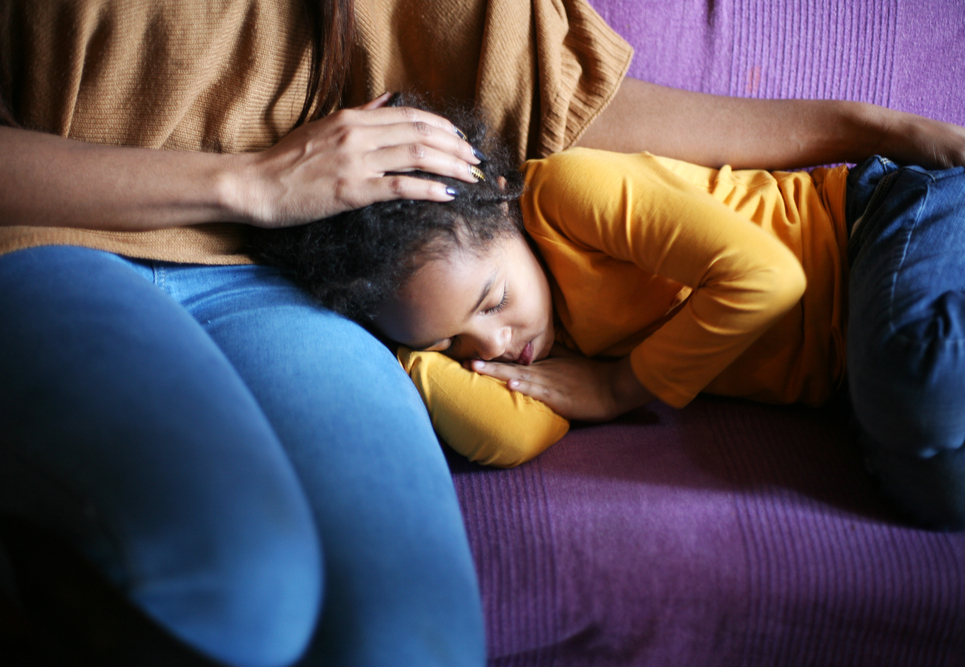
[{"x": 786, "y": 284}]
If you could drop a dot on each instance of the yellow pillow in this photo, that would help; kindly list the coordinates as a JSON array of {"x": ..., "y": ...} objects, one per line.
[{"x": 478, "y": 416}]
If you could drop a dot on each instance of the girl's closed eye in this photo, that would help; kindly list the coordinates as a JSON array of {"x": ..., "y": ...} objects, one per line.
[
  {"x": 451, "y": 350},
  {"x": 442, "y": 346},
  {"x": 502, "y": 303}
]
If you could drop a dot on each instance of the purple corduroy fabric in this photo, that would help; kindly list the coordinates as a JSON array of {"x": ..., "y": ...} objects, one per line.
[
  {"x": 727, "y": 533},
  {"x": 905, "y": 54},
  {"x": 722, "y": 534}
]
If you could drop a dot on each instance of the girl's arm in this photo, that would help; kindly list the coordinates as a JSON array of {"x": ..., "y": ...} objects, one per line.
[
  {"x": 714, "y": 130},
  {"x": 634, "y": 212},
  {"x": 336, "y": 163},
  {"x": 477, "y": 416}
]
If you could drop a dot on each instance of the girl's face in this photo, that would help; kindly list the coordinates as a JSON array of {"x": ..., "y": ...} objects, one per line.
[{"x": 494, "y": 305}]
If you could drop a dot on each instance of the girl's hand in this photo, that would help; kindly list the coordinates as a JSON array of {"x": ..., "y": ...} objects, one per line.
[
  {"x": 340, "y": 162},
  {"x": 574, "y": 387}
]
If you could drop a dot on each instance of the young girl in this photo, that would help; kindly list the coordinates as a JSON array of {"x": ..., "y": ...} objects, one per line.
[{"x": 615, "y": 279}]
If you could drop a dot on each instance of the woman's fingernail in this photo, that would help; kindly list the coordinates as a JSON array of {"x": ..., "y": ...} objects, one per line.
[
  {"x": 478, "y": 364},
  {"x": 479, "y": 154},
  {"x": 477, "y": 173},
  {"x": 460, "y": 133},
  {"x": 514, "y": 383},
  {"x": 451, "y": 191}
]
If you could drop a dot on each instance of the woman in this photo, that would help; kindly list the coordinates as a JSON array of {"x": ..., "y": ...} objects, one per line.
[{"x": 167, "y": 408}]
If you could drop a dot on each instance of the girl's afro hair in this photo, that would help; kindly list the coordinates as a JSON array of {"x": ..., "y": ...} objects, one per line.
[{"x": 354, "y": 261}]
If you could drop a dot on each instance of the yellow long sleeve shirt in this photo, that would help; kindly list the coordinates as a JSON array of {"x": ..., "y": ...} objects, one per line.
[{"x": 729, "y": 282}]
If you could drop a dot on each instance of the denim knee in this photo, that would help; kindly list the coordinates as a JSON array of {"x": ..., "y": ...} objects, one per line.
[
  {"x": 251, "y": 599},
  {"x": 929, "y": 491},
  {"x": 906, "y": 333},
  {"x": 908, "y": 386},
  {"x": 136, "y": 442}
]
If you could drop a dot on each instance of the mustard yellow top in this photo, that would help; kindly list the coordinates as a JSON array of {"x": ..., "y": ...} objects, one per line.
[
  {"x": 230, "y": 76},
  {"x": 729, "y": 282}
]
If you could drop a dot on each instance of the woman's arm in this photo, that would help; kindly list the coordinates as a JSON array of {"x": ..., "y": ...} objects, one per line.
[
  {"x": 321, "y": 168},
  {"x": 713, "y": 130}
]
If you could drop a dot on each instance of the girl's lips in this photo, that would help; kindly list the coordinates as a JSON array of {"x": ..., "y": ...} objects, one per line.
[{"x": 525, "y": 357}]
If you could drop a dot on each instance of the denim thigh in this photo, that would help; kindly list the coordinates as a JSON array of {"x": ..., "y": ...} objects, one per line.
[
  {"x": 127, "y": 433},
  {"x": 251, "y": 371},
  {"x": 400, "y": 585},
  {"x": 906, "y": 333}
]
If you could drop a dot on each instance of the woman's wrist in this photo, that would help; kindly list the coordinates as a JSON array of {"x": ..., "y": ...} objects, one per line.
[
  {"x": 53, "y": 181},
  {"x": 240, "y": 192}
]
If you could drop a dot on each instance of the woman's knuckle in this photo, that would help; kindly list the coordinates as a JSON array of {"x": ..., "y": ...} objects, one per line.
[
  {"x": 397, "y": 185},
  {"x": 423, "y": 128},
  {"x": 342, "y": 190},
  {"x": 339, "y": 117},
  {"x": 417, "y": 152},
  {"x": 348, "y": 136}
]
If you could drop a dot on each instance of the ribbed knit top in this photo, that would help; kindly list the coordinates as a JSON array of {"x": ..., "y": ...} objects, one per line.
[{"x": 230, "y": 76}]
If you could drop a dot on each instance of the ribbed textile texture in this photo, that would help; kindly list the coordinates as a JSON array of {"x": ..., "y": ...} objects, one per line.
[
  {"x": 230, "y": 77},
  {"x": 726, "y": 534},
  {"x": 905, "y": 54},
  {"x": 729, "y": 534}
]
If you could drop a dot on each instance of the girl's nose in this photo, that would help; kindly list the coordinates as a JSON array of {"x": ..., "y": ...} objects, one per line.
[{"x": 495, "y": 344}]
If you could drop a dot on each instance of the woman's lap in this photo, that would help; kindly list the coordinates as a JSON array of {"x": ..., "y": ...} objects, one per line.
[
  {"x": 365, "y": 431},
  {"x": 906, "y": 334},
  {"x": 146, "y": 447}
]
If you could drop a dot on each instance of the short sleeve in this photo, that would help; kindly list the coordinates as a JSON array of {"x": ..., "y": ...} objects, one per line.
[
  {"x": 540, "y": 70},
  {"x": 478, "y": 416}
]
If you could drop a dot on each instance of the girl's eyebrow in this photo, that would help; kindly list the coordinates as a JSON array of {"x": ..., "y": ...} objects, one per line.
[{"x": 487, "y": 288}]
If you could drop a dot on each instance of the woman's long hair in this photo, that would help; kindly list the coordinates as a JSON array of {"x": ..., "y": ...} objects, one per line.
[{"x": 331, "y": 24}]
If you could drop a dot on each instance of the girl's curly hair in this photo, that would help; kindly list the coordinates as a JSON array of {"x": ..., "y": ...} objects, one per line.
[{"x": 354, "y": 261}]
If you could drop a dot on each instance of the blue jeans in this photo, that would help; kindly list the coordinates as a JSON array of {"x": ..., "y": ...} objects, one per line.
[
  {"x": 906, "y": 334},
  {"x": 256, "y": 474}
]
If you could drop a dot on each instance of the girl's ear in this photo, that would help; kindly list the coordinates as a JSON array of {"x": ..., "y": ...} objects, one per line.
[{"x": 501, "y": 182}]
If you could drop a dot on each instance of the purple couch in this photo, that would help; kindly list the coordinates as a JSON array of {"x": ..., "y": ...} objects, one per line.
[{"x": 729, "y": 533}]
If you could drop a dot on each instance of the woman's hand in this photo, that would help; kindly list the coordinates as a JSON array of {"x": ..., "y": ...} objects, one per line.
[
  {"x": 340, "y": 162},
  {"x": 910, "y": 139},
  {"x": 336, "y": 163},
  {"x": 574, "y": 387}
]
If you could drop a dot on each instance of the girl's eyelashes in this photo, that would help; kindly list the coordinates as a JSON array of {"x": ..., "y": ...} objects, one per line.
[
  {"x": 502, "y": 303},
  {"x": 452, "y": 347}
]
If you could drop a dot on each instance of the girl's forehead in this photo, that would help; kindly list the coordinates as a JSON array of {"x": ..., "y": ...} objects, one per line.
[{"x": 441, "y": 296}]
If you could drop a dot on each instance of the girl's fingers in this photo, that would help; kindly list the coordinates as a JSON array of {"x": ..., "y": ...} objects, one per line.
[
  {"x": 497, "y": 370},
  {"x": 539, "y": 391},
  {"x": 518, "y": 378}
]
